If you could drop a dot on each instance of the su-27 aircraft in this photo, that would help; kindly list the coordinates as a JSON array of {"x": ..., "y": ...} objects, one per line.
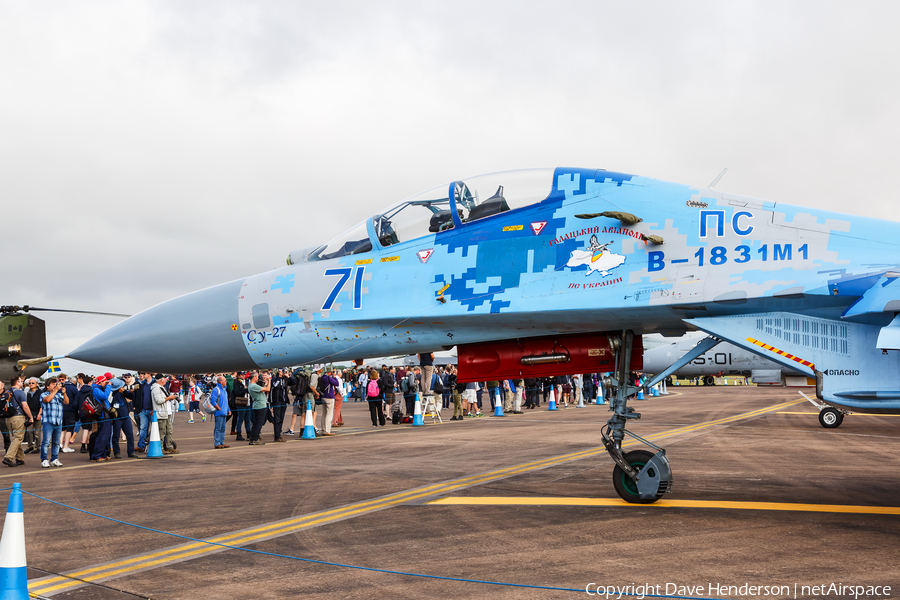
[{"x": 540, "y": 272}]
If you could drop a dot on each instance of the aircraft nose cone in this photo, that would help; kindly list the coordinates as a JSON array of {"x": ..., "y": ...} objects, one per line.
[{"x": 188, "y": 334}]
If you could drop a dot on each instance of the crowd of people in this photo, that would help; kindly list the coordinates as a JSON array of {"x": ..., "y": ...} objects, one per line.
[{"x": 110, "y": 416}]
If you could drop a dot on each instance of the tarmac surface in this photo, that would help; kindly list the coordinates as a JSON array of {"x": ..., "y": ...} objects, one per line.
[{"x": 763, "y": 495}]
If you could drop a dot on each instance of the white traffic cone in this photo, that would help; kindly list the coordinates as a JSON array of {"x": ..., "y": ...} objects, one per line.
[
  {"x": 13, "y": 569},
  {"x": 418, "y": 419},
  {"x": 309, "y": 428},
  {"x": 154, "y": 447},
  {"x": 498, "y": 404}
]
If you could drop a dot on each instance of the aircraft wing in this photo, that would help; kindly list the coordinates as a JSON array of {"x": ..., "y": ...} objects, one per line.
[{"x": 745, "y": 332}]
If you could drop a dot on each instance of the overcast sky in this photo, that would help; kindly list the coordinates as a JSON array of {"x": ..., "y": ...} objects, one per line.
[{"x": 149, "y": 149}]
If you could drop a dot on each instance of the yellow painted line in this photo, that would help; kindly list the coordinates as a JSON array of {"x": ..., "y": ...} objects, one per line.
[
  {"x": 293, "y": 525},
  {"x": 815, "y": 414},
  {"x": 782, "y": 506}
]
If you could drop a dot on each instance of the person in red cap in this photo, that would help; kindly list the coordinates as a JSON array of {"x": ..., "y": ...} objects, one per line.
[{"x": 99, "y": 440}]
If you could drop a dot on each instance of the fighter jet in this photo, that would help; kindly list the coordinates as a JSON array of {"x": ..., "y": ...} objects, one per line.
[{"x": 503, "y": 267}]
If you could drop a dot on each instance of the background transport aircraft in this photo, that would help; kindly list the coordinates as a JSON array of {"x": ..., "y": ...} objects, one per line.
[
  {"x": 548, "y": 271},
  {"x": 724, "y": 359}
]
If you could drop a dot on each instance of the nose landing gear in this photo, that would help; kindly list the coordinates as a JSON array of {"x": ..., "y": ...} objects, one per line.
[
  {"x": 640, "y": 476},
  {"x": 654, "y": 478}
]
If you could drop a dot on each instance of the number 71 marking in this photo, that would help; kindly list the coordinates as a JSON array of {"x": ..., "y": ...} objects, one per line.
[{"x": 345, "y": 275}]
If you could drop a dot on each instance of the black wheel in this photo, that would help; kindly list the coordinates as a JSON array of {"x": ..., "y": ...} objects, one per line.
[
  {"x": 626, "y": 486},
  {"x": 709, "y": 380},
  {"x": 830, "y": 418}
]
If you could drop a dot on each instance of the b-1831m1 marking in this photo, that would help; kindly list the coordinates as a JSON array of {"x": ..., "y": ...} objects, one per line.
[{"x": 490, "y": 258}]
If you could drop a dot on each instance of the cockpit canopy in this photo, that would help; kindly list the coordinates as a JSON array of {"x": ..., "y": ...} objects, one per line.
[{"x": 438, "y": 209}]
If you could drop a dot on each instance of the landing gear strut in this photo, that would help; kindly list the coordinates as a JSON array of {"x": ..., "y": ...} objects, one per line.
[
  {"x": 829, "y": 416},
  {"x": 640, "y": 476}
]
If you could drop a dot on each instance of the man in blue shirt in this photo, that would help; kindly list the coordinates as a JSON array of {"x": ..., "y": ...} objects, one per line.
[
  {"x": 143, "y": 405},
  {"x": 219, "y": 399},
  {"x": 53, "y": 399},
  {"x": 121, "y": 422},
  {"x": 99, "y": 444},
  {"x": 70, "y": 412}
]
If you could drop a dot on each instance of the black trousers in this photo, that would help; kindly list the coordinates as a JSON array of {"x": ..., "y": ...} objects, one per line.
[
  {"x": 123, "y": 424},
  {"x": 259, "y": 419},
  {"x": 376, "y": 412},
  {"x": 5, "y": 430},
  {"x": 278, "y": 419}
]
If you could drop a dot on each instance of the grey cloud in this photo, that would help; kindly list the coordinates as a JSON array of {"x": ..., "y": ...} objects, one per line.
[{"x": 151, "y": 149}]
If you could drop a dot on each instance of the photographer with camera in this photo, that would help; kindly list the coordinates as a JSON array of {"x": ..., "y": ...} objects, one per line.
[
  {"x": 53, "y": 399},
  {"x": 258, "y": 400},
  {"x": 16, "y": 423},
  {"x": 160, "y": 404}
]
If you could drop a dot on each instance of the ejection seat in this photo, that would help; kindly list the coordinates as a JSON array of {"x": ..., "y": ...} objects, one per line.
[{"x": 494, "y": 205}]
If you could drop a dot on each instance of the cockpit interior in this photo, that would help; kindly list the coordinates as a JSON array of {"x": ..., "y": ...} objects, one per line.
[{"x": 439, "y": 209}]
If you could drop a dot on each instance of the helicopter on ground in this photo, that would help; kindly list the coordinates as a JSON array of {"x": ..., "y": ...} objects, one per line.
[{"x": 23, "y": 340}]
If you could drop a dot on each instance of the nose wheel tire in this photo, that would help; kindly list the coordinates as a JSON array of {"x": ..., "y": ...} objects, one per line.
[
  {"x": 625, "y": 486},
  {"x": 831, "y": 418}
]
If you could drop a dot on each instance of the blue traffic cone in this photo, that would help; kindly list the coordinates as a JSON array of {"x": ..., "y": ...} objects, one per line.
[
  {"x": 640, "y": 395},
  {"x": 654, "y": 392},
  {"x": 13, "y": 569},
  {"x": 498, "y": 404},
  {"x": 552, "y": 405},
  {"x": 181, "y": 404},
  {"x": 418, "y": 419},
  {"x": 309, "y": 428},
  {"x": 154, "y": 447}
]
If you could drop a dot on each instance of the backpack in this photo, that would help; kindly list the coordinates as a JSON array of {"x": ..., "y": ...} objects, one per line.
[
  {"x": 389, "y": 381},
  {"x": 301, "y": 385},
  {"x": 372, "y": 389},
  {"x": 7, "y": 408},
  {"x": 438, "y": 387},
  {"x": 404, "y": 386},
  {"x": 89, "y": 408},
  {"x": 205, "y": 404}
]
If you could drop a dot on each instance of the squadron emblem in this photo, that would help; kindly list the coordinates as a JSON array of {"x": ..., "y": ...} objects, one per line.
[{"x": 596, "y": 257}]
